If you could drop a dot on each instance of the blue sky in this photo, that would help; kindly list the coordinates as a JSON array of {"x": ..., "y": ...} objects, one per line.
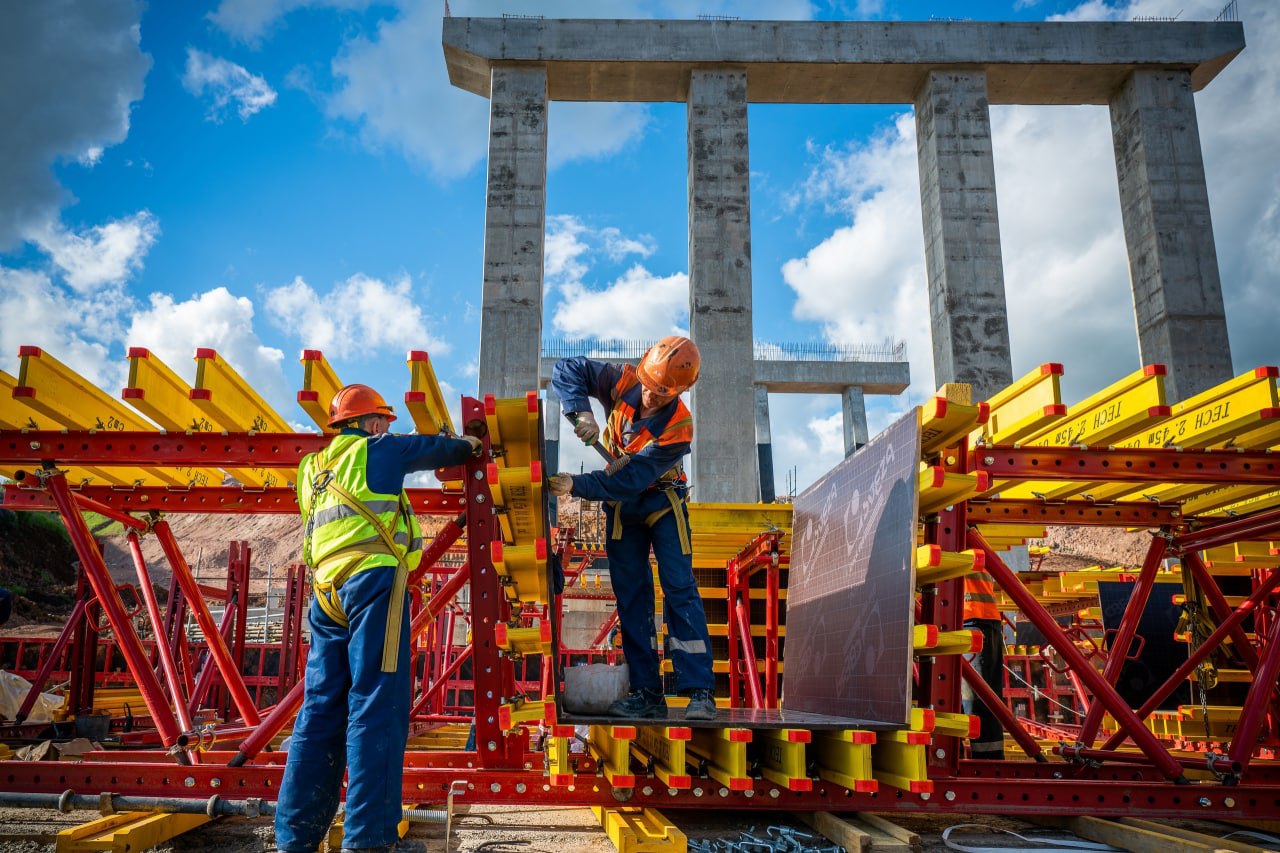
[{"x": 263, "y": 176}]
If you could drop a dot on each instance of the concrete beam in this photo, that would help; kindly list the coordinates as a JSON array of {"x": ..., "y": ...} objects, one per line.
[
  {"x": 809, "y": 377},
  {"x": 853, "y": 404},
  {"x": 514, "y": 231},
  {"x": 1164, "y": 203},
  {"x": 962, "y": 233},
  {"x": 764, "y": 445},
  {"x": 720, "y": 286},
  {"x": 828, "y": 62}
]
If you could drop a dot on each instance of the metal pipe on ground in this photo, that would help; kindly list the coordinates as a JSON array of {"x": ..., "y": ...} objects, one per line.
[{"x": 215, "y": 806}]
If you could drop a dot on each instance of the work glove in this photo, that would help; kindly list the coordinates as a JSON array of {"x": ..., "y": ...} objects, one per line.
[
  {"x": 561, "y": 484},
  {"x": 585, "y": 427},
  {"x": 477, "y": 446}
]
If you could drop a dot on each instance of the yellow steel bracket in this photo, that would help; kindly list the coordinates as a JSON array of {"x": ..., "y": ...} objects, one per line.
[
  {"x": 559, "y": 757},
  {"x": 898, "y": 759},
  {"x": 940, "y": 488},
  {"x": 424, "y": 400},
  {"x": 521, "y": 712},
  {"x": 1024, "y": 407},
  {"x": 534, "y": 640},
  {"x": 944, "y": 422},
  {"x": 933, "y": 565}
]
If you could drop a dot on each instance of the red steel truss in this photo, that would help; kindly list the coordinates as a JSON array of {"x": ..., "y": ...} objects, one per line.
[{"x": 1133, "y": 771}]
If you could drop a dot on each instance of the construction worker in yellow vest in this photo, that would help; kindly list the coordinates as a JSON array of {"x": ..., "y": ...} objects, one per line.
[{"x": 361, "y": 541}]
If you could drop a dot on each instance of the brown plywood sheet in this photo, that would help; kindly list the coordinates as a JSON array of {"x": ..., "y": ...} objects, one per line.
[{"x": 851, "y": 592}]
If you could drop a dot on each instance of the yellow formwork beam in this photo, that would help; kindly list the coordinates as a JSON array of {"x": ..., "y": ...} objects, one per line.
[
  {"x": 228, "y": 399},
  {"x": 844, "y": 758},
  {"x": 158, "y": 392},
  {"x": 523, "y": 711},
  {"x": 666, "y": 747},
  {"x": 898, "y": 759},
  {"x": 940, "y": 488},
  {"x": 1025, "y": 407},
  {"x": 126, "y": 832},
  {"x": 635, "y": 830},
  {"x": 725, "y": 751},
  {"x": 944, "y": 422},
  {"x": 933, "y": 565},
  {"x": 782, "y": 757},
  {"x": 751, "y": 519},
  {"x": 535, "y": 640},
  {"x": 523, "y": 569},
  {"x": 611, "y": 745},
  {"x": 518, "y": 491},
  {"x": 68, "y": 399},
  {"x": 559, "y": 760},
  {"x": 928, "y": 640},
  {"x": 424, "y": 400},
  {"x": 320, "y": 384},
  {"x": 13, "y": 415},
  {"x": 513, "y": 428},
  {"x": 956, "y": 725}
]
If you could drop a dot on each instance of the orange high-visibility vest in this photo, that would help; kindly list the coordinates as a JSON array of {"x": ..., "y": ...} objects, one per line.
[{"x": 980, "y": 596}]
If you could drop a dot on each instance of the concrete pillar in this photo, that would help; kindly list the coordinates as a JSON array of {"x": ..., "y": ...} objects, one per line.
[
  {"x": 515, "y": 213},
  {"x": 764, "y": 445},
  {"x": 1173, "y": 265},
  {"x": 962, "y": 232},
  {"x": 720, "y": 286},
  {"x": 551, "y": 419},
  {"x": 854, "y": 404}
]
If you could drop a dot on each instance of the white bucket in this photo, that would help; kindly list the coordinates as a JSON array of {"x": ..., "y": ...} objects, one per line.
[{"x": 591, "y": 688}]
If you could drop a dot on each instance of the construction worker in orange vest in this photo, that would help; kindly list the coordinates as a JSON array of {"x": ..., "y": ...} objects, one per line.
[
  {"x": 648, "y": 430},
  {"x": 981, "y": 614}
]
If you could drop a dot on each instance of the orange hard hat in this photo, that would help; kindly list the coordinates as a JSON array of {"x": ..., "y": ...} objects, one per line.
[
  {"x": 354, "y": 401},
  {"x": 670, "y": 366}
]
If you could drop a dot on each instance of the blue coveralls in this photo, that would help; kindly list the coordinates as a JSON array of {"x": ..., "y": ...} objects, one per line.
[
  {"x": 355, "y": 717},
  {"x": 632, "y": 492}
]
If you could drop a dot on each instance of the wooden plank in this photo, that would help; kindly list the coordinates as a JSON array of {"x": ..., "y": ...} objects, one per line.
[
  {"x": 891, "y": 829},
  {"x": 1192, "y": 835},
  {"x": 1132, "y": 838},
  {"x": 841, "y": 832}
]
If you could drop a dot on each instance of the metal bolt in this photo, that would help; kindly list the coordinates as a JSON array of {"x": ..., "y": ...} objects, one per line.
[
  {"x": 1229, "y": 802},
  {"x": 215, "y": 782},
  {"x": 950, "y": 795},
  {"x": 925, "y": 797},
  {"x": 988, "y": 460},
  {"x": 697, "y": 792},
  {"x": 189, "y": 782},
  {"x": 940, "y": 753},
  {"x": 479, "y": 475},
  {"x": 519, "y": 787},
  {"x": 35, "y": 445},
  {"x": 773, "y": 792},
  {"x": 479, "y": 499},
  {"x": 495, "y": 787},
  {"x": 647, "y": 790},
  {"x": 492, "y": 746},
  {"x": 1205, "y": 802},
  {"x": 724, "y": 792}
]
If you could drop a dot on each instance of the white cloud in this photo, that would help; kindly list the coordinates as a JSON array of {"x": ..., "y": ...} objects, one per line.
[
  {"x": 104, "y": 254},
  {"x": 358, "y": 315},
  {"x": 226, "y": 84},
  {"x": 250, "y": 20},
  {"x": 80, "y": 67},
  {"x": 636, "y": 306},
  {"x": 75, "y": 330},
  {"x": 216, "y": 319}
]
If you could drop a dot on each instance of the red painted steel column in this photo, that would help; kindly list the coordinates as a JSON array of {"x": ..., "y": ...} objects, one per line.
[
  {"x": 109, "y": 599},
  {"x": 1257, "y": 702},
  {"x": 771, "y": 632},
  {"x": 1010, "y": 723},
  {"x": 51, "y": 660},
  {"x": 1214, "y": 640},
  {"x": 280, "y": 715},
  {"x": 1128, "y": 628},
  {"x": 1102, "y": 691},
  {"x": 167, "y": 663},
  {"x": 213, "y": 637}
]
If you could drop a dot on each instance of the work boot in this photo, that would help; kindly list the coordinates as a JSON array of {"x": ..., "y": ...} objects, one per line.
[
  {"x": 645, "y": 704},
  {"x": 404, "y": 845},
  {"x": 702, "y": 705}
]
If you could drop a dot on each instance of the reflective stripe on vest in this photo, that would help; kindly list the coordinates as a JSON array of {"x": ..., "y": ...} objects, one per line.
[
  {"x": 626, "y": 403},
  {"x": 980, "y": 597},
  {"x": 334, "y": 527}
]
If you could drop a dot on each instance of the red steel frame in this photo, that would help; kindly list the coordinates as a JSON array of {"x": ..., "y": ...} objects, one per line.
[{"x": 501, "y": 770}]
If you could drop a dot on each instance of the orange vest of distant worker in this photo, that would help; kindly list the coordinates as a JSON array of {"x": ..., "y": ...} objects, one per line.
[
  {"x": 626, "y": 402},
  {"x": 980, "y": 597}
]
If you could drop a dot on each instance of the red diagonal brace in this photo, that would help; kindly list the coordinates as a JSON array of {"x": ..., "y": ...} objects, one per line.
[
  {"x": 51, "y": 659},
  {"x": 1255, "y": 704},
  {"x": 1221, "y": 610},
  {"x": 1119, "y": 651},
  {"x": 1102, "y": 691},
  {"x": 167, "y": 664}
]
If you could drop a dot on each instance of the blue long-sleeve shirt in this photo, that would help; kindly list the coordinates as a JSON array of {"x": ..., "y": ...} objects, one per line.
[
  {"x": 390, "y": 457},
  {"x": 578, "y": 379}
]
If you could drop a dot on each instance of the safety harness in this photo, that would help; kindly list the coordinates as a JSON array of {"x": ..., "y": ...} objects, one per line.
[
  {"x": 345, "y": 561},
  {"x": 626, "y": 395}
]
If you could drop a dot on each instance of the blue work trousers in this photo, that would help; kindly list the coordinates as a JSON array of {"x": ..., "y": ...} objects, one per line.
[
  {"x": 355, "y": 718},
  {"x": 688, "y": 643}
]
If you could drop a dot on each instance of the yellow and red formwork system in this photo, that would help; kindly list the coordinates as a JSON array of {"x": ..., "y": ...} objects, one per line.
[{"x": 993, "y": 473}]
